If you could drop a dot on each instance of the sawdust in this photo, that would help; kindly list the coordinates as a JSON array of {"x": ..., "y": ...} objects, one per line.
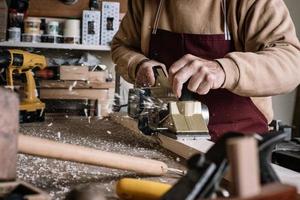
[{"x": 58, "y": 177}]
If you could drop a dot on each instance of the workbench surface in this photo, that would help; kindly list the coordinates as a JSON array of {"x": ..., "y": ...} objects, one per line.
[{"x": 58, "y": 177}]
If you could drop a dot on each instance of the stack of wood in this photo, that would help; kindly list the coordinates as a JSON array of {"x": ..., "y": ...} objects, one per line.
[{"x": 78, "y": 83}]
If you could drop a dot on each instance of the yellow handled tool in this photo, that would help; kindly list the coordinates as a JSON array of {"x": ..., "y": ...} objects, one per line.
[{"x": 134, "y": 189}]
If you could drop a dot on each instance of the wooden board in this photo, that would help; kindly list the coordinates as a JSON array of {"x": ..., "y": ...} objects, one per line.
[
  {"x": 172, "y": 145},
  {"x": 67, "y": 72},
  {"x": 9, "y": 125},
  {"x": 54, "y": 84},
  {"x": 55, "y": 8},
  {"x": 101, "y": 94}
]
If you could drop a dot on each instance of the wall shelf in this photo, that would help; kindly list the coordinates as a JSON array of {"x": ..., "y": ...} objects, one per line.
[{"x": 56, "y": 46}]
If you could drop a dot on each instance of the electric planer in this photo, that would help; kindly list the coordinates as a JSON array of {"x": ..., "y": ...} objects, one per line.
[{"x": 157, "y": 110}]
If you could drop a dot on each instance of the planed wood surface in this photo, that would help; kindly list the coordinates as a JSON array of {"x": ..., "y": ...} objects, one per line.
[{"x": 9, "y": 127}]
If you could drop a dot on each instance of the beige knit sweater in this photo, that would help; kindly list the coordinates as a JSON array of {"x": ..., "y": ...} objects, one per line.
[{"x": 267, "y": 57}]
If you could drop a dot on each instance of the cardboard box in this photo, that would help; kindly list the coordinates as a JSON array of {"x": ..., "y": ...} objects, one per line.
[
  {"x": 3, "y": 20},
  {"x": 91, "y": 20},
  {"x": 110, "y": 21},
  {"x": 73, "y": 72}
]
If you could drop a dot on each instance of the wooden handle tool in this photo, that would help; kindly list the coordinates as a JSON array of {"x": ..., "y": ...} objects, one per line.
[{"x": 51, "y": 149}]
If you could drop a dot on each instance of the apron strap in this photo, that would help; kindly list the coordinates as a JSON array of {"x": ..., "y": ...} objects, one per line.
[
  {"x": 157, "y": 16},
  {"x": 226, "y": 29}
]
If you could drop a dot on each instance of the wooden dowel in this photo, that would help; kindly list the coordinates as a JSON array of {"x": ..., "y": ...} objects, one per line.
[{"x": 51, "y": 149}]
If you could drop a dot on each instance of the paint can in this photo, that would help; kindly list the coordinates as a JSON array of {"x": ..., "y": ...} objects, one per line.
[
  {"x": 32, "y": 25},
  {"x": 34, "y": 38},
  {"x": 72, "y": 40},
  {"x": 55, "y": 39},
  {"x": 53, "y": 28},
  {"x": 14, "y": 34},
  {"x": 72, "y": 28}
]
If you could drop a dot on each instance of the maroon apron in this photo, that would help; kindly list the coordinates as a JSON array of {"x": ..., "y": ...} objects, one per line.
[{"x": 227, "y": 111}]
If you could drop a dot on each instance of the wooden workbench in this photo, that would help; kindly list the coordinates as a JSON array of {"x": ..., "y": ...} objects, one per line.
[{"x": 58, "y": 177}]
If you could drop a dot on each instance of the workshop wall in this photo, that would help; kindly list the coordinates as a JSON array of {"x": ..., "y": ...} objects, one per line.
[
  {"x": 284, "y": 104},
  {"x": 54, "y": 8}
]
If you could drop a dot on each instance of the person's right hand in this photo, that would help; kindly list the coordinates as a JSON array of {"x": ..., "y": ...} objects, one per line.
[{"x": 145, "y": 76}]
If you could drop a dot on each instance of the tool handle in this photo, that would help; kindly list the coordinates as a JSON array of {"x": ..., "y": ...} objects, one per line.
[
  {"x": 186, "y": 94},
  {"x": 162, "y": 79},
  {"x": 134, "y": 189},
  {"x": 51, "y": 149}
]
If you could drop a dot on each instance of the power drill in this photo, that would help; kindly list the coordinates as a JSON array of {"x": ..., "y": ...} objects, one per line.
[{"x": 22, "y": 62}]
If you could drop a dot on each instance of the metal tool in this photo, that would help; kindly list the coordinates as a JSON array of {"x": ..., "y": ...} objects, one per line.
[
  {"x": 159, "y": 111},
  {"x": 205, "y": 172},
  {"x": 22, "y": 62}
]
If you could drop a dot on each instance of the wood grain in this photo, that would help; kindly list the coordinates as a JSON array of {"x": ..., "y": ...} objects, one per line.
[
  {"x": 51, "y": 149},
  {"x": 9, "y": 127},
  {"x": 243, "y": 160},
  {"x": 53, "y": 84},
  {"x": 55, "y": 8}
]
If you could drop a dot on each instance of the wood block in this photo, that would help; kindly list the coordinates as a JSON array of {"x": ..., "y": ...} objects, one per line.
[
  {"x": 100, "y": 94},
  {"x": 9, "y": 128},
  {"x": 74, "y": 73},
  {"x": 243, "y": 159},
  {"x": 97, "y": 76},
  {"x": 273, "y": 192}
]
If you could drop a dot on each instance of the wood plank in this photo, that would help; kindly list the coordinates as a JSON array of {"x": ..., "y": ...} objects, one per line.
[
  {"x": 9, "y": 125},
  {"x": 71, "y": 73},
  {"x": 168, "y": 143},
  {"x": 56, "y": 84},
  {"x": 97, "y": 94}
]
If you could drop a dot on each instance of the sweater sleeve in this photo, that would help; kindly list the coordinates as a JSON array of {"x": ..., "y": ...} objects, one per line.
[
  {"x": 270, "y": 63},
  {"x": 126, "y": 44}
]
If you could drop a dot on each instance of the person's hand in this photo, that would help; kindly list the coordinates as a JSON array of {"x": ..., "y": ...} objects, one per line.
[
  {"x": 203, "y": 75},
  {"x": 145, "y": 76}
]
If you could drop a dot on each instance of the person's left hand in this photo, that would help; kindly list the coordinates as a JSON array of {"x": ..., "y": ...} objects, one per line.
[{"x": 203, "y": 75}]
